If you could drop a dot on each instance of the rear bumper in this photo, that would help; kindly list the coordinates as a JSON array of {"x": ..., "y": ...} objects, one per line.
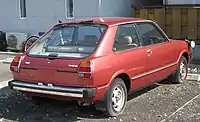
[{"x": 75, "y": 92}]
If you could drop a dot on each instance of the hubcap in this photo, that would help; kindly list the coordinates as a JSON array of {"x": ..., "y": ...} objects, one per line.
[
  {"x": 183, "y": 71},
  {"x": 118, "y": 98}
]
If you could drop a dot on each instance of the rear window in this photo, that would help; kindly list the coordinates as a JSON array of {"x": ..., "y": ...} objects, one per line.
[{"x": 74, "y": 40}]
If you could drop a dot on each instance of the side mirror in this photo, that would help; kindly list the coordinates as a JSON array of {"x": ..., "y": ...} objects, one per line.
[
  {"x": 30, "y": 41},
  {"x": 192, "y": 44}
]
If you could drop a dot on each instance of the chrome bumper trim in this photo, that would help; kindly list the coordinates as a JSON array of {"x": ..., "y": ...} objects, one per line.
[
  {"x": 48, "y": 92},
  {"x": 75, "y": 92}
]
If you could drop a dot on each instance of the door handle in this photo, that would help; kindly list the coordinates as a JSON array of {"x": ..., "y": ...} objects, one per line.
[{"x": 149, "y": 51}]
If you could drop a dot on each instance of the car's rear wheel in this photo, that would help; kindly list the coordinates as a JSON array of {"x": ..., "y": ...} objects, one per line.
[
  {"x": 181, "y": 72},
  {"x": 116, "y": 98}
]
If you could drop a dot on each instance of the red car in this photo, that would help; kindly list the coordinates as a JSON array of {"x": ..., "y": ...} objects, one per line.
[{"x": 100, "y": 61}]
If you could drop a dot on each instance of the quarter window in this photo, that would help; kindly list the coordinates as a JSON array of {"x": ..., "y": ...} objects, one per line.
[
  {"x": 150, "y": 34},
  {"x": 126, "y": 38},
  {"x": 69, "y": 9},
  {"x": 22, "y": 6}
]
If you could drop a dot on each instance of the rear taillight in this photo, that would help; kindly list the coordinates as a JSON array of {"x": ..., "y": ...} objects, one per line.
[
  {"x": 14, "y": 66},
  {"x": 85, "y": 69}
]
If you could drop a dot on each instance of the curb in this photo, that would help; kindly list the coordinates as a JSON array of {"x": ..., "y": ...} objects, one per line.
[
  {"x": 193, "y": 77},
  {"x": 9, "y": 53},
  {"x": 6, "y": 61},
  {"x": 4, "y": 83}
]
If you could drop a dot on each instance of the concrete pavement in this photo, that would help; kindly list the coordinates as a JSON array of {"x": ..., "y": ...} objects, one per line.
[{"x": 5, "y": 73}]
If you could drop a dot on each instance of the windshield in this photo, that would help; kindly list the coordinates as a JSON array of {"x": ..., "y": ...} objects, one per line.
[{"x": 75, "y": 40}]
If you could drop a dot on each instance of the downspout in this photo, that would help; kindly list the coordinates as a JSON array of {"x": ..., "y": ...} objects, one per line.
[{"x": 100, "y": 3}]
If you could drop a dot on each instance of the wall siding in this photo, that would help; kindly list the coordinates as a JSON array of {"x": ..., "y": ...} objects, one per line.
[
  {"x": 42, "y": 14},
  {"x": 182, "y": 1},
  {"x": 178, "y": 23}
]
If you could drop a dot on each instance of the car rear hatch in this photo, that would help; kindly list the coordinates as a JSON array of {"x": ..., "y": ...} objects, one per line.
[
  {"x": 50, "y": 71},
  {"x": 54, "y": 58}
]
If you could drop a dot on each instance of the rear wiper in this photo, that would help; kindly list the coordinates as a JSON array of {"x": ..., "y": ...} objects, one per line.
[{"x": 52, "y": 55}]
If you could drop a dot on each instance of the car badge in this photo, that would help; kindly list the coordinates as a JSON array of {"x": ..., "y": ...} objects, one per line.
[{"x": 73, "y": 66}]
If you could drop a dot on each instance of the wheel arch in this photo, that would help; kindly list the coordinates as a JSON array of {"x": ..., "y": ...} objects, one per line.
[
  {"x": 124, "y": 76},
  {"x": 185, "y": 54}
]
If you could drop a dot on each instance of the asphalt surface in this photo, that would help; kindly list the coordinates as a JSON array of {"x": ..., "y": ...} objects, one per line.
[{"x": 161, "y": 102}]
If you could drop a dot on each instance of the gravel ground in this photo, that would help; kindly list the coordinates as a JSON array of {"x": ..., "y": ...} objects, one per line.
[
  {"x": 152, "y": 104},
  {"x": 156, "y": 103}
]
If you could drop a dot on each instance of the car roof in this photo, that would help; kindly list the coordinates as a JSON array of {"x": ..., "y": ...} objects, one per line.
[{"x": 109, "y": 21}]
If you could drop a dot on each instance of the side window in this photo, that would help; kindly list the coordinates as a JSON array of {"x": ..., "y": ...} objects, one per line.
[
  {"x": 150, "y": 34},
  {"x": 126, "y": 37}
]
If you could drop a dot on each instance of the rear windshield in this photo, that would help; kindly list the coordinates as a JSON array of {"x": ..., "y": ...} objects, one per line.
[{"x": 74, "y": 40}]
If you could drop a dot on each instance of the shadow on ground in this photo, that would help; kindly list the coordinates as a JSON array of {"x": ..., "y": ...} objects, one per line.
[{"x": 17, "y": 107}]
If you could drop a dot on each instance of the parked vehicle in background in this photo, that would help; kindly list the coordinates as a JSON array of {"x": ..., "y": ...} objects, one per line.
[
  {"x": 3, "y": 43},
  {"x": 100, "y": 61}
]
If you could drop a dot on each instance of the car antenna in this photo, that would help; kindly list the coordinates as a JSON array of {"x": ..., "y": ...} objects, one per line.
[{"x": 101, "y": 19}]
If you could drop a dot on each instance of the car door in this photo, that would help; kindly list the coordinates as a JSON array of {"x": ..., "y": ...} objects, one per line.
[
  {"x": 158, "y": 48},
  {"x": 129, "y": 54}
]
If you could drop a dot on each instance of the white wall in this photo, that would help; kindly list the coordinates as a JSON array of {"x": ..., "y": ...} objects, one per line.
[
  {"x": 117, "y": 7},
  {"x": 42, "y": 14},
  {"x": 183, "y": 1}
]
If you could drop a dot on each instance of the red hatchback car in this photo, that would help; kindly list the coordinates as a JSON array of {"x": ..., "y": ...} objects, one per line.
[{"x": 100, "y": 61}]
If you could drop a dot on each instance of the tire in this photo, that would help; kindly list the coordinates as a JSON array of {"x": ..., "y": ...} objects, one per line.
[
  {"x": 111, "y": 98},
  {"x": 2, "y": 35},
  {"x": 3, "y": 45},
  {"x": 181, "y": 72}
]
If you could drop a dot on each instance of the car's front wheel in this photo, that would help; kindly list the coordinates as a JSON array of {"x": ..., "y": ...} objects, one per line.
[
  {"x": 181, "y": 72},
  {"x": 116, "y": 98}
]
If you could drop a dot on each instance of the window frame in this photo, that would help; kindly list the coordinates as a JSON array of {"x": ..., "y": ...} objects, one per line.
[
  {"x": 157, "y": 28},
  {"x": 67, "y": 6},
  {"x": 24, "y": 8},
  {"x": 74, "y": 36},
  {"x": 137, "y": 34}
]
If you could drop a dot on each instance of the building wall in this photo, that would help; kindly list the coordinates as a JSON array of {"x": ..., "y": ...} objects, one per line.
[
  {"x": 182, "y": 1},
  {"x": 85, "y": 8},
  {"x": 42, "y": 14},
  {"x": 117, "y": 7}
]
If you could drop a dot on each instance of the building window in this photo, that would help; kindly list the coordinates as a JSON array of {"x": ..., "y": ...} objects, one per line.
[
  {"x": 69, "y": 9},
  {"x": 22, "y": 7}
]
